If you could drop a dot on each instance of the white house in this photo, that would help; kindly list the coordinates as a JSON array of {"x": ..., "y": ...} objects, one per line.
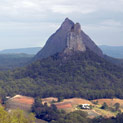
[{"x": 85, "y": 106}]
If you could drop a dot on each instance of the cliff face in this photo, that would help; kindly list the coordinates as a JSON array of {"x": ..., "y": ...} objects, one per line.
[
  {"x": 68, "y": 37},
  {"x": 74, "y": 39}
]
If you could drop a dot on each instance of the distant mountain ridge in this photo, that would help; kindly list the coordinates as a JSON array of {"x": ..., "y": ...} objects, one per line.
[
  {"x": 113, "y": 51},
  {"x": 31, "y": 50}
]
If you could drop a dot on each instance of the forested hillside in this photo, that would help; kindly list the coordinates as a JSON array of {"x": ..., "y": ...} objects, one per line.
[
  {"x": 79, "y": 74},
  {"x": 11, "y": 61},
  {"x": 118, "y": 62}
]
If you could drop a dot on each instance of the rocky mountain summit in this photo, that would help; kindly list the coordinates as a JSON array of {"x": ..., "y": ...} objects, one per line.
[{"x": 69, "y": 37}]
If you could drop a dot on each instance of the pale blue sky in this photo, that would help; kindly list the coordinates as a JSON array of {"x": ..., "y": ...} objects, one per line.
[{"x": 29, "y": 23}]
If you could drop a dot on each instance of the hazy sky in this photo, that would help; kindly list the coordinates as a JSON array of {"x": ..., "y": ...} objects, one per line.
[{"x": 29, "y": 23}]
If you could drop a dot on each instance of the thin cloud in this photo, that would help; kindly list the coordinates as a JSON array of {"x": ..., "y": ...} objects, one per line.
[
  {"x": 36, "y": 20},
  {"x": 13, "y": 8},
  {"x": 112, "y": 23}
]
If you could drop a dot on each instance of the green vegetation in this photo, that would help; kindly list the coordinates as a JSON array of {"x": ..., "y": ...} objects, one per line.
[
  {"x": 15, "y": 116},
  {"x": 10, "y": 61},
  {"x": 117, "y": 106},
  {"x": 53, "y": 115},
  {"x": 73, "y": 117},
  {"x": 104, "y": 106},
  {"x": 45, "y": 112},
  {"x": 107, "y": 110},
  {"x": 117, "y": 119},
  {"x": 84, "y": 75}
]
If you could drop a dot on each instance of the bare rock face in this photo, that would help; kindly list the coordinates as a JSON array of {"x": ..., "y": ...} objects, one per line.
[
  {"x": 68, "y": 37},
  {"x": 74, "y": 39}
]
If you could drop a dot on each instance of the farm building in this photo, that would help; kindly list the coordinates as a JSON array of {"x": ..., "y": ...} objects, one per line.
[{"x": 84, "y": 106}]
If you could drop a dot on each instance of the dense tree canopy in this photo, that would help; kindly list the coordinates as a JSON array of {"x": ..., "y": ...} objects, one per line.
[
  {"x": 78, "y": 74},
  {"x": 12, "y": 61}
]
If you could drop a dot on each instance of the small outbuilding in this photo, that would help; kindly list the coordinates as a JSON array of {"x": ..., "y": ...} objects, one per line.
[{"x": 84, "y": 106}]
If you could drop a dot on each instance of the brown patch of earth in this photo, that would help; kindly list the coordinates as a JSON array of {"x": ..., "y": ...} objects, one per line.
[
  {"x": 77, "y": 101},
  {"x": 23, "y": 99},
  {"x": 63, "y": 105},
  {"x": 49, "y": 100},
  {"x": 110, "y": 102}
]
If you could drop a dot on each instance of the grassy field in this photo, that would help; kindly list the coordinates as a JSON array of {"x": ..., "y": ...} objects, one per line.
[
  {"x": 104, "y": 113},
  {"x": 110, "y": 102},
  {"x": 96, "y": 108},
  {"x": 70, "y": 105}
]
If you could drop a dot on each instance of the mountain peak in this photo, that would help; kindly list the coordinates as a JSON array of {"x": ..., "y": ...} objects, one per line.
[
  {"x": 68, "y": 20},
  {"x": 67, "y": 23},
  {"x": 68, "y": 37}
]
